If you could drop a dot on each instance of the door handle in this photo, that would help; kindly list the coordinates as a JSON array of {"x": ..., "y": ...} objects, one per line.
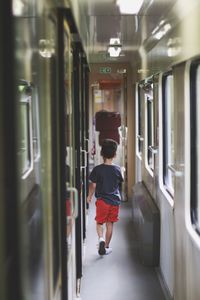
[
  {"x": 85, "y": 159},
  {"x": 74, "y": 203},
  {"x": 153, "y": 149},
  {"x": 174, "y": 171}
]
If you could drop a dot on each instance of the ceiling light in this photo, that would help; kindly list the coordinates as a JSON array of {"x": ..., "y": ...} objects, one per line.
[
  {"x": 159, "y": 32},
  {"x": 114, "y": 41},
  {"x": 129, "y": 7},
  {"x": 17, "y": 7},
  {"x": 174, "y": 46},
  {"x": 46, "y": 48},
  {"x": 115, "y": 47},
  {"x": 114, "y": 51}
]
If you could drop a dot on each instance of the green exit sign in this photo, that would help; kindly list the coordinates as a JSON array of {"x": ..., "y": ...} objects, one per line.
[{"x": 105, "y": 70}]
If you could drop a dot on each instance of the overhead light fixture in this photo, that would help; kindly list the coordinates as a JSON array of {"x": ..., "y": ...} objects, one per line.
[
  {"x": 115, "y": 47},
  {"x": 174, "y": 46},
  {"x": 121, "y": 71},
  {"x": 46, "y": 48},
  {"x": 17, "y": 7},
  {"x": 130, "y": 7},
  {"x": 161, "y": 30}
]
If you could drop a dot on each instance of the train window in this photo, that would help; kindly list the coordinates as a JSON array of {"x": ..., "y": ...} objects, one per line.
[
  {"x": 35, "y": 122},
  {"x": 195, "y": 145},
  {"x": 138, "y": 121},
  {"x": 149, "y": 124},
  {"x": 25, "y": 144},
  {"x": 167, "y": 130}
]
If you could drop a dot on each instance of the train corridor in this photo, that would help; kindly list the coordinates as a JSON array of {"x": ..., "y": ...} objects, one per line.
[{"x": 119, "y": 275}]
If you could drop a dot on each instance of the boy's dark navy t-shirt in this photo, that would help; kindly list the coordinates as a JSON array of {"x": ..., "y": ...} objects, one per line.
[{"x": 107, "y": 179}]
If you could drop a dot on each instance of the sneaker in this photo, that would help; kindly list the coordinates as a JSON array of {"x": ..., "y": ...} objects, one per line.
[
  {"x": 108, "y": 250},
  {"x": 102, "y": 249}
]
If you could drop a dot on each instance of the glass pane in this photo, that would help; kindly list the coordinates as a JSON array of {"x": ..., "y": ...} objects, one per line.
[
  {"x": 150, "y": 132},
  {"x": 35, "y": 122},
  {"x": 139, "y": 121},
  {"x": 70, "y": 144},
  {"x": 198, "y": 145},
  {"x": 25, "y": 160},
  {"x": 150, "y": 126},
  {"x": 168, "y": 133}
]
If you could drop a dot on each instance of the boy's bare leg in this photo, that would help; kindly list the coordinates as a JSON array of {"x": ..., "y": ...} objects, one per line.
[
  {"x": 99, "y": 228},
  {"x": 109, "y": 231},
  {"x": 102, "y": 249}
]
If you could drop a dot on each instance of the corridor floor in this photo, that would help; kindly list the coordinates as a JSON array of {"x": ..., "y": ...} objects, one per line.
[{"x": 119, "y": 275}]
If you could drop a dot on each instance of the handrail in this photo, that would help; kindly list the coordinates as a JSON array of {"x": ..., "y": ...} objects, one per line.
[{"x": 174, "y": 171}]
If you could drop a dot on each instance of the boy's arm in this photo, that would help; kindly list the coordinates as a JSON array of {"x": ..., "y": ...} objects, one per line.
[
  {"x": 92, "y": 187},
  {"x": 123, "y": 171}
]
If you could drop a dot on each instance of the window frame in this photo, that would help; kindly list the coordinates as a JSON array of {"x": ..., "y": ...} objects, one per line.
[
  {"x": 139, "y": 138},
  {"x": 194, "y": 202},
  {"x": 149, "y": 127},
  {"x": 192, "y": 229},
  {"x": 35, "y": 125},
  {"x": 166, "y": 126},
  {"x": 25, "y": 98},
  {"x": 163, "y": 169}
]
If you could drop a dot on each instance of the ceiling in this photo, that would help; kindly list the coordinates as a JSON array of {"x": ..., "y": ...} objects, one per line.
[{"x": 105, "y": 21}]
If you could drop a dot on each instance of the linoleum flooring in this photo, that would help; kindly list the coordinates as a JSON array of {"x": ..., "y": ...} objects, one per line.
[{"x": 119, "y": 275}]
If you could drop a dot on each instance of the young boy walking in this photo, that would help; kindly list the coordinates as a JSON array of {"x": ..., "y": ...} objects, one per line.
[{"x": 105, "y": 180}]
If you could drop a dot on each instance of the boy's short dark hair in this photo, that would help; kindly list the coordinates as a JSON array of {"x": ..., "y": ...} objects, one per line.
[{"x": 109, "y": 148}]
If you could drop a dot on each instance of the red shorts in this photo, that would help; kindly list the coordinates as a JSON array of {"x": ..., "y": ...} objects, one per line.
[{"x": 106, "y": 212}]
